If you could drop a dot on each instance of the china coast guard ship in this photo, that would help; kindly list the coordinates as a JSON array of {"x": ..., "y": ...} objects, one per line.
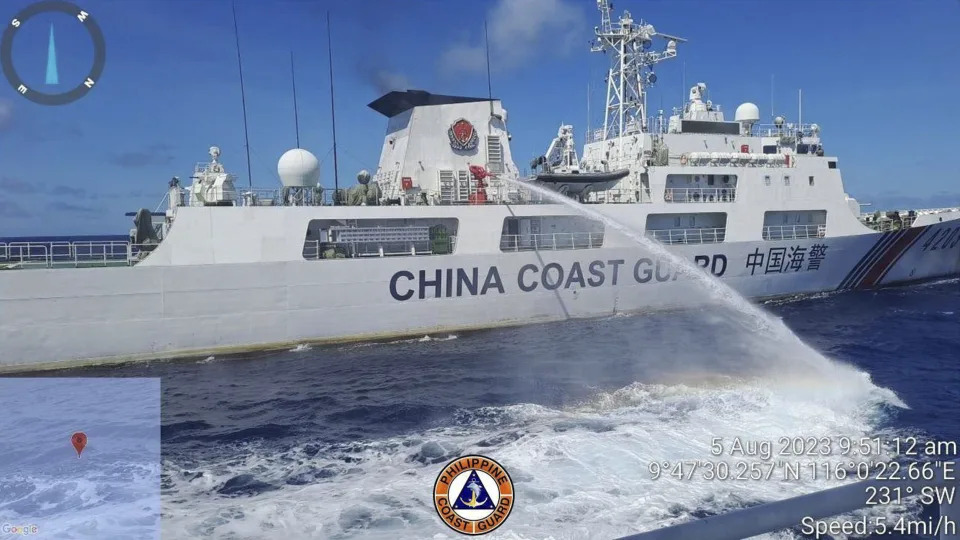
[{"x": 446, "y": 236}]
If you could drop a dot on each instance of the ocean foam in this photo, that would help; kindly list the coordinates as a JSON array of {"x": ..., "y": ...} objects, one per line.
[{"x": 579, "y": 471}]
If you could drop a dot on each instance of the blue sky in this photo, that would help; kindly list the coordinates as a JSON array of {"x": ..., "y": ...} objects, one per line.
[{"x": 880, "y": 77}]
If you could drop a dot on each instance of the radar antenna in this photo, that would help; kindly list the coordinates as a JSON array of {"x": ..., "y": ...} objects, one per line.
[{"x": 631, "y": 69}]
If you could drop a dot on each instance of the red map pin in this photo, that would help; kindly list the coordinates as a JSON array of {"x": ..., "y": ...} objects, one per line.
[{"x": 79, "y": 440}]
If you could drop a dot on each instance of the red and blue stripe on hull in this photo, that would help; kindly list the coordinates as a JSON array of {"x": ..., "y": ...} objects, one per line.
[{"x": 883, "y": 256}]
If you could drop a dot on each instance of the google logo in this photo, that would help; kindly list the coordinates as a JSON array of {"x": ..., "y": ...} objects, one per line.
[{"x": 22, "y": 530}]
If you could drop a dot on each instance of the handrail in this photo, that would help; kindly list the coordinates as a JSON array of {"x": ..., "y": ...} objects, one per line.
[
  {"x": 618, "y": 196},
  {"x": 704, "y": 235},
  {"x": 792, "y": 232},
  {"x": 75, "y": 254},
  {"x": 245, "y": 196},
  {"x": 771, "y": 130},
  {"x": 551, "y": 241},
  {"x": 789, "y": 513},
  {"x": 888, "y": 224},
  {"x": 682, "y": 195},
  {"x": 319, "y": 250}
]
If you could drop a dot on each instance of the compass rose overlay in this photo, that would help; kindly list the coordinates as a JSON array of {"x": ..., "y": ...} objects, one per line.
[{"x": 82, "y": 18}]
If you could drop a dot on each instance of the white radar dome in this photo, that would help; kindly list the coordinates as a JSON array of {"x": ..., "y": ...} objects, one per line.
[
  {"x": 747, "y": 112},
  {"x": 298, "y": 168}
]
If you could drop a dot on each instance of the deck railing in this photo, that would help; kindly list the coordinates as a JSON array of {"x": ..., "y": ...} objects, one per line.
[
  {"x": 71, "y": 254},
  {"x": 551, "y": 241},
  {"x": 683, "y": 195},
  {"x": 688, "y": 236},
  {"x": 888, "y": 224},
  {"x": 611, "y": 196},
  {"x": 317, "y": 250},
  {"x": 793, "y": 232}
]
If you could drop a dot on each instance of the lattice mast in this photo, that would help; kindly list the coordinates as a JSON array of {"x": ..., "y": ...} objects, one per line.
[{"x": 631, "y": 68}]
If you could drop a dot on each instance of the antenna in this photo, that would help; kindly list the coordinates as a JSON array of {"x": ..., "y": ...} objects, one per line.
[
  {"x": 296, "y": 114},
  {"x": 586, "y": 136},
  {"x": 631, "y": 69},
  {"x": 486, "y": 44},
  {"x": 800, "y": 109},
  {"x": 772, "y": 113},
  {"x": 333, "y": 116},
  {"x": 683, "y": 86},
  {"x": 243, "y": 96}
]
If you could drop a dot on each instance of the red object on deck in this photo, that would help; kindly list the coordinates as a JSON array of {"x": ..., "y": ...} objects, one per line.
[
  {"x": 479, "y": 172},
  {"x": 745, "y": 148},
  {"x": 406, "y": 183},
  {"x": 787, "y": 157},
  {"x": 480, "y": 195}
]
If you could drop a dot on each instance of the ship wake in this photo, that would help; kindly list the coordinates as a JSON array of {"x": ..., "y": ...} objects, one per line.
[{"x": 583, "y": 449}]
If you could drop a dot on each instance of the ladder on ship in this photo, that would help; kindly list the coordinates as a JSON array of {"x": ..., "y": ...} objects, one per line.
[
  {"x": 456, "y": 186},
  {"x": 494, "y": 155}
]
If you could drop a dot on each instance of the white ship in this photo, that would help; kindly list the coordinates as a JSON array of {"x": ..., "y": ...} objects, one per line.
[{"x": 445, "y": 236}]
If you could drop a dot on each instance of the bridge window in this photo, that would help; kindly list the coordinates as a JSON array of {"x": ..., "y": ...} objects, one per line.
[
  {"x": 811, "y": 180},
  {"x": 356, "y": 238},
  {"x": 538, "y": 233}
]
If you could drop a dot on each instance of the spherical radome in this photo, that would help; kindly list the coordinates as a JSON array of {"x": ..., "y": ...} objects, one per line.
[
  {"x": 747, "y": 112},
  {"x": 298, "y": 168}
]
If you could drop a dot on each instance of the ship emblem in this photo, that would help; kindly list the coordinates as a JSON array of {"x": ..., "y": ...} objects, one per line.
[
  {"x": 473, "y": 495},
  {"x": 462, "y": 135}
]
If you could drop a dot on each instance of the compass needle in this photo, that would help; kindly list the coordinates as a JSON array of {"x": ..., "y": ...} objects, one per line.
[{"x": 52, "y": 76}]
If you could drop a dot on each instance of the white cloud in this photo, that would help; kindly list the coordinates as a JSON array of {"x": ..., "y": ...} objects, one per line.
[{"x": 518, "y": 32}]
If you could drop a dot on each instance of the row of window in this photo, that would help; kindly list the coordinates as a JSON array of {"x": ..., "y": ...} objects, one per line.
[
  {"x": 786, "y": 180},
  {"x": 348, "y": 239}
]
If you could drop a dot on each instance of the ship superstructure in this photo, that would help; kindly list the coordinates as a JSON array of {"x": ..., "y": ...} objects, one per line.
[{"x": 447, "y": 234}]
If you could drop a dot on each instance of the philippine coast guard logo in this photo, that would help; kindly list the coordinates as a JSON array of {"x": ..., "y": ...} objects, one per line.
[
  {"x": 462, "y": 135},
  {"x": 473, "y": 495}
]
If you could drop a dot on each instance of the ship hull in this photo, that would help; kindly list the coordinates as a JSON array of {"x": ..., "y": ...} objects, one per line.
[{"x": 52, "y": 318}]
